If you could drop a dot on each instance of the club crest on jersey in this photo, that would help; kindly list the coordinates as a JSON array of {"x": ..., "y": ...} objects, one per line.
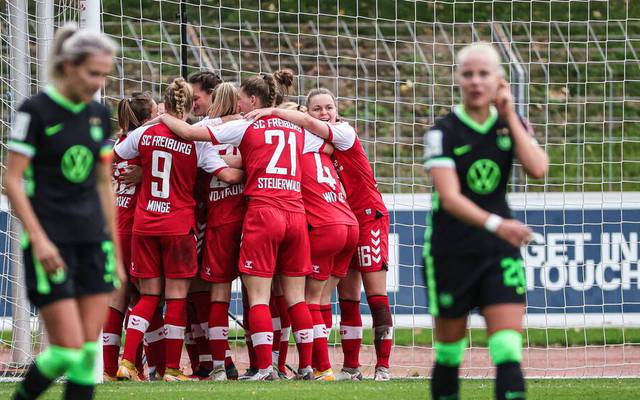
[
  {"x": 503, "y": 142},
  {"x": 96, "y": 129}
]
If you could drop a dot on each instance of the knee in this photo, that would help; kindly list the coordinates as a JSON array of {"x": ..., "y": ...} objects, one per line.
[
  {"x": 505, "y": 346},
  {"x": 450, "y": 354}
]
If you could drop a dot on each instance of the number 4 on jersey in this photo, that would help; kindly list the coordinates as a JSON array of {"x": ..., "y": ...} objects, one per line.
[{"x": 324, "y": 173}]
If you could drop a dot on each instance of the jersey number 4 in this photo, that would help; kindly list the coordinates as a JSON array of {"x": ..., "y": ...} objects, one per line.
[
  {"x": 279, "y": 135},
  {"x": 161, "y": 168}
]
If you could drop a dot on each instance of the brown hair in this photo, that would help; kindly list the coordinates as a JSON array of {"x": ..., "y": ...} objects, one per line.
[
  {"x": 178, "y": 98},
  {"x": 135, "y": 110},
  {"x": 292, "y": 105},
  {"x": 225, "y": 102},
  {"x": 316, "y": 92},
  {"x": 76, "y": 45},
  {"x": 270, "y": 89},
  {"x": 207, "y": 80}
]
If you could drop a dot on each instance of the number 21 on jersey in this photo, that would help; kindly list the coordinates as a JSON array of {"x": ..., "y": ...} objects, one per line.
[{"x": 281, "y": 142}]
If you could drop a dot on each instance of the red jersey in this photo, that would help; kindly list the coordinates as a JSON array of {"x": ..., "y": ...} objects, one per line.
[
  {"x": 355, "y": 172},
  {"x": 271, "y": 149},
  {"x": 166, "y": 201},
  {"x": 325, "y": 200},
  {"x": 226, "y": 202},
  {"x": 126, "y": 196}
]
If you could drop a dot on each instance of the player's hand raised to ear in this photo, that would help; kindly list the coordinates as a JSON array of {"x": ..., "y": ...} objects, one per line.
[
  {"x": 258, "y": 113},
  {"x": 504, "y": 99},
  {"x": 514, "y": 232}
]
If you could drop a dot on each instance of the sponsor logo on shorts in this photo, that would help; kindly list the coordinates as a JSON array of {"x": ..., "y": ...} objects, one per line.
[
  {"x": 207, "y": 270},
  {"x": 316, "y": 269},
  {"x": 248, "y": 264}
]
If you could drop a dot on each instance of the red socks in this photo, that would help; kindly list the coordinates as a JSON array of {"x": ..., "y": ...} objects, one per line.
[
  {"x": 154, "y": 343},
  {"x": 138, "y": 323},
  {"x": 382, "y": 328},
  {"x": 261, "y": 334},
  {"x": 350, "y": 332},
  {"x": 275, "y": 321},
  {"x": 320, "y": 340},
  {"x": 200, "y": 327},
  {"x": 285, "y": 331},
  {"x": 175, "y": 322},
  {"x": 302, "y": 326},
  {"x": 327, "y": 316},
  {"x": 218, "y": 332},
  {"x": 111, "y": 340}
]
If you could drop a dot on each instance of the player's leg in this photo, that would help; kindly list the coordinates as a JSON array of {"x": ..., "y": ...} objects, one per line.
[
  {"x": 320, "y": 362},
  {"x": 199, "y": 297},
  {"x": 180, "y": 265},
  {"x": 219, "y": 328},
  {"x": 62, "y": 321},
  {"x": 146, "y": 268},
  {"x": 154, "y": 344},
  {"x": 261, "y": 328},
  {"x": 504, "y": 327},
  {"x": 501, "y": 292},
  {"x": 373, "y": 252},
  {"x": 285, "y": 325},
  {"x": 349, "y": 290},
  {"x": 295, "y": 264},
  {"x": 449, "y": 346}
]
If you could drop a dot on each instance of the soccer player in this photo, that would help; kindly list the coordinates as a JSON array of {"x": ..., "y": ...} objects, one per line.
[
  {"x": 274, "y": 235},
  {"x": 58, "y": 144},
  {"x": 204, "y": 84},
  {"x": 132, "y": 112},
  {"x": 164, "y": 246},
  {"x": 472, "y": 244},
  {"x": 369, "y": 265}
]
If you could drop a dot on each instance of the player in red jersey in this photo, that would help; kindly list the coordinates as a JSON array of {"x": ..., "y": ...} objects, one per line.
[
  {"x": 274, "y": 234},
  {"x": 163, "y": 231},
  {"x": 132, "y": 112},
  {"x": 369, "y": 265}
]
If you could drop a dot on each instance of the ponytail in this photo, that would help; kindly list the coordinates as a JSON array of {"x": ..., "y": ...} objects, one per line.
[{"x": 134, "y": 111}]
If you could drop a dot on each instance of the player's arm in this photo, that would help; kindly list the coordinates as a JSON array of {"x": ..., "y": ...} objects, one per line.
[
  {"x": 184, "y": 130},
  {"x": 301, "y": 119},
  {"x": 533, "y": 159},
  {"x": 233, "y": 161},
  {"x": 231, "y": 176},
  {"x": 107, "y": 202}
]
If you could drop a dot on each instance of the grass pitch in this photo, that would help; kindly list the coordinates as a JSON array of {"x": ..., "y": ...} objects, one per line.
[{"x": 570, "y": 389}]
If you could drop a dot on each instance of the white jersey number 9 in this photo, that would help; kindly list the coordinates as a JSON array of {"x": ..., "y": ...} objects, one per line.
[
  {"x": 291, "y": 140},
  {"x": 161, "y": 189}
]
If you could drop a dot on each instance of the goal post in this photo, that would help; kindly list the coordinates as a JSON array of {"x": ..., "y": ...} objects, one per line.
[{"x": 575, "y": 73}]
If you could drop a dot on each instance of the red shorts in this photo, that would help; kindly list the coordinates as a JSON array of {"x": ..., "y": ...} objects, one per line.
[
  {"x": 171, "y": 256},
  {"x": 221, "y": 253},
  {"x": 372, "y": 253},
  {"x": 274, "y": 241},
  {"x": 332, "y": 248}
]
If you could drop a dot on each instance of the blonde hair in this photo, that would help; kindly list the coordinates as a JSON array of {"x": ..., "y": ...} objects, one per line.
[
  {"x": 225, "y": 100},
  {"x": 483, "y": 48},
  {"x": 75, "y": 45},
  {"x": 317, "y": 92},
  {"x": 292, "y": 105},
  {"x": 178, "y": 98}
]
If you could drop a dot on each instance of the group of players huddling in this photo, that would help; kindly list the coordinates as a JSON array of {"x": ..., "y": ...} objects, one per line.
[
  {"x": 281, "y": 195},
  {"x": 260, "y": 184}
]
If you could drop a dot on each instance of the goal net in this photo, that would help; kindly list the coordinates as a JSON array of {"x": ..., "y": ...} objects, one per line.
[{"x": 575, "y": 74}]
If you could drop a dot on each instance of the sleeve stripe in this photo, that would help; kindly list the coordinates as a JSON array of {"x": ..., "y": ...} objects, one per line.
[
  {"x": 22, "y": 148},
  {"x": 440, "y": 162},
  {"x": 330, "y": 133}
]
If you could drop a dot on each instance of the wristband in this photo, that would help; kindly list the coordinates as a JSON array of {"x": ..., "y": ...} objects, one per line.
[{"x": 492, "y": 223}]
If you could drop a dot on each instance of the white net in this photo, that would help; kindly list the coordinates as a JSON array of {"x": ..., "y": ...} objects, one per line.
[{"x": 575, "y": 71}]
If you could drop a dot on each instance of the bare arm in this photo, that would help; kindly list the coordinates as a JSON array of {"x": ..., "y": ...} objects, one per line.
[
  {"x": 301, "y": 119},
  {"x": 232, "y": 176},
  {"x": 445, "y": 182},
  {"x": 107, "y": 201},
  {"x": 534, "y": 160},
  {"x": 44, "y": 250},
  {"x": 184, "y": 130}
]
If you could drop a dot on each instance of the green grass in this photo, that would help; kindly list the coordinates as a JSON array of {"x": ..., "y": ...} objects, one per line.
[{"x": 569, "y": 389}]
